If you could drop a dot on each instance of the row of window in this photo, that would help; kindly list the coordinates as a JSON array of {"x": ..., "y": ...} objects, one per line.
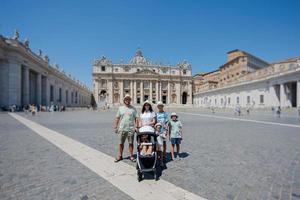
[
  {"x": 261, "y": 100},
  {"x": 75, "y": 97},
  {"x": 126, "y": 69}
]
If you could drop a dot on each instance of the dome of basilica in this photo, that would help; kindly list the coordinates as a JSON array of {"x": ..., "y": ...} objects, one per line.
[{"x": 139, "y": 59}]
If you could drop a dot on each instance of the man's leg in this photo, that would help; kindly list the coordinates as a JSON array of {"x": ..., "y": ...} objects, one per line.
[
  {"x": 130, "y": 138},
  {"x": 172, "y": 151},
  {"x": 178, "y": 149},
  {"x": 121, "y": 147}
]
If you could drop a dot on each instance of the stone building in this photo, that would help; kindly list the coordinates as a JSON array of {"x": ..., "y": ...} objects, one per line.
[
  {"x": 28, "y": 78},
  {"x": 250, "y": 82},
  {"x": 142, "y": 80}
]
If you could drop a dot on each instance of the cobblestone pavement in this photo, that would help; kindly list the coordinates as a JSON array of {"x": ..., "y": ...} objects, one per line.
[
  {"x": 32, "y": 168},
  {"x": 221, "y": 158}
]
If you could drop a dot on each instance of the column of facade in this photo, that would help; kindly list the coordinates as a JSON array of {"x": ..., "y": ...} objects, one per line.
[
  {"x": 150, "y": 92},
  {"x": 282, "y": 95},
  {"x": 156, "y": 91},
  {"x": 111, "y": 92},
  {"x": 121, "y": 91},
  {"x": 298, "y": 93},
  {"x": 39, "y": 89},
  {"x": 159, "y": 94},
  {"x": 131, "y": 90},
  {"x": 134, "y": 92},
  {"x": 178, "y": 93},
  {"x": 169, "y": 94},
  {"x": 96, "y": 91},
  {"x": 142, "y": 92},
  {"x": 25, "y": 94},
  {"x": 190, "y": 88}
]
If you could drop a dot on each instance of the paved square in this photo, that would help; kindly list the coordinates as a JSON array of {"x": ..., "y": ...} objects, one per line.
[{"x": 223, "y": 158}]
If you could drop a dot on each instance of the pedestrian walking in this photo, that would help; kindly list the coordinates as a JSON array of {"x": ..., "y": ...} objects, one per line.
[{"x": 278, "y": 111}]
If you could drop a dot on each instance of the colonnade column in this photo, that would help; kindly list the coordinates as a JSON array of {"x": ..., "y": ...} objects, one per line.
[
  {"x": 47, "y": 94},
  {"x": 38, "y": 89},
  {"x": 273, "y": 99},
  {"x": 298, "y": 93},
  {"x": 25, "y": 95}
]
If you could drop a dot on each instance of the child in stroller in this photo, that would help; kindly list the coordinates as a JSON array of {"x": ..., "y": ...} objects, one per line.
[
  {"x": 145, "y": 146},
  {"x": 146, "y": 152}
]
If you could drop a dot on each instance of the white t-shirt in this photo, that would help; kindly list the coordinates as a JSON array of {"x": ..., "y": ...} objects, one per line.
[{"x": 146, "y": 117}]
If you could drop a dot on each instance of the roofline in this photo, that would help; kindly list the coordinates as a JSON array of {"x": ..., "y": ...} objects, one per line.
[{"x": 286, "y": 60}]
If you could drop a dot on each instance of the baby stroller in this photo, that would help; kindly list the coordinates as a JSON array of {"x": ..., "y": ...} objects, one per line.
[{"x": 146, "y": 161}]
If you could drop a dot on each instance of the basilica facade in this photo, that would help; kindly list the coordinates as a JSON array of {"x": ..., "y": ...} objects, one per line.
[{"x": 142, "y": 80}]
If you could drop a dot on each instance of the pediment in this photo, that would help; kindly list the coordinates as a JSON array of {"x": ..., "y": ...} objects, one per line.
[{"x": 145, "y": 72}]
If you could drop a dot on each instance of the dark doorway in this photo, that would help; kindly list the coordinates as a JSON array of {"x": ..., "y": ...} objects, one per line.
[
  {"x": 164, "y": 99},
  {"x": 146, "y": 97},
  {"x": 51, "y": 93},
  {"x": 184, "y": 98},
  {"x": 294, "y": 94}
]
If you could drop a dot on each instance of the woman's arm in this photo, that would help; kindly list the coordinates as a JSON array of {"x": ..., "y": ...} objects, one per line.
[
  {"x": 152, "y": 122},
  {"x": 139, "y": 122}
]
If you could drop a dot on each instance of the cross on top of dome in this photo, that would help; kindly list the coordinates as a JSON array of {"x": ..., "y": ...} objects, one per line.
[{"x": 139, "y": 52}]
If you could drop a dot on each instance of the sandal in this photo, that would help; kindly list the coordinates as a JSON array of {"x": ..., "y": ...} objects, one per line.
[
  {"x": 118, "y": 159},
  {"x": 132, "y": 159}
]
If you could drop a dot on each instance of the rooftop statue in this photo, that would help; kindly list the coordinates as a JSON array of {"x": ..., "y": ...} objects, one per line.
[
  {"x": 46, "y": 58},
  {"x": 40, "y": 52},
  {"x": 16, "y": 35},
  {"x": 26, "y": 43}
]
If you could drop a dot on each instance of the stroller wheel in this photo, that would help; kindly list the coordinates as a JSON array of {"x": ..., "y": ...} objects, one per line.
[
  {"x": 155, "y": 174},
  {"x": 140, "y": 175}
]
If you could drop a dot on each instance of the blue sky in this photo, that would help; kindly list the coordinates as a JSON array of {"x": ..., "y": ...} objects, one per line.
[{"x": 75, "y": 32}]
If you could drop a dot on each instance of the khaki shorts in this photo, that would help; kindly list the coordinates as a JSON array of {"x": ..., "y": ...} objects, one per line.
[{"x": 126, "y": 134}]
